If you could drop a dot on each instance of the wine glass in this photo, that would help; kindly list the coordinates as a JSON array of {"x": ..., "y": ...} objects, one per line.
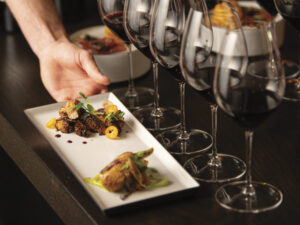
[
  {"x": 290, "y": 68},
  {"x": 167, "y": 24},
  {"x": 248, "y": 94},
  {"x": 290, "y": 11},
  {"x": 198, "y": 71},
  {"x": 137, "y": 15},
  {"x": 111, "y": 12}
]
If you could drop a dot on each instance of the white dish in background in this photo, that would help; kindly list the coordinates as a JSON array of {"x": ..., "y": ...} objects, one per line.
[
  {"x": 86, "y": 160},
  {"x": 251, "y": 34},
  {"x": 116, "y": 65}
]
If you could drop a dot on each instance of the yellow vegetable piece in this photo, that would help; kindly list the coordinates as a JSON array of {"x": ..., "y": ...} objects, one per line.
[
  {"x": 51, "y": 123},
  {"x": 112, "y": 132},
  {"x": 111, "y": 109},
  {"x": 97, "y": 181},
  {"x": 106, "y": 103}
]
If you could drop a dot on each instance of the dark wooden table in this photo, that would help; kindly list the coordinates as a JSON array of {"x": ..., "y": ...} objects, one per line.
[{"x": 276, "y": 149}]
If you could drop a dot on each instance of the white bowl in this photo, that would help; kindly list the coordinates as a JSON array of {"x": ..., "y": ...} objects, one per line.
[
  {"x": 252, "y": 34},
  {"x": 116, "y": 65}
]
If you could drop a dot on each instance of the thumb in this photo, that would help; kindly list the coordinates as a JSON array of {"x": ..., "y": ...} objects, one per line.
[{"x": 88, "y": 64}]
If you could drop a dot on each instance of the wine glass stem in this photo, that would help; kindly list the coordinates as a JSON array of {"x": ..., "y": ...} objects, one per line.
[
  {"x": 183, "y": 133},
  {"x": 131, "y": 90},
  {"x": 214, "y": 161},
  {"x": 249, "y": 189},
  {"x": 156, "y": 110}
]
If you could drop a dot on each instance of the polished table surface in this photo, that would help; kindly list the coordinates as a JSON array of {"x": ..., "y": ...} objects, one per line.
[{"x": 276, "y": 153}]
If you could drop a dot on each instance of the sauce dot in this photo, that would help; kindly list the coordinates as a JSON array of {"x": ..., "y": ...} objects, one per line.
[
  {"x": 69, "y": 141},
  {"x": 57, "y": 135},
  {"x": 84, "y": 142}
]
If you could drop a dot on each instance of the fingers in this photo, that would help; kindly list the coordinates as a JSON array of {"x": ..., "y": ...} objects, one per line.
[
  {"x": 73, "y": 92},
  {"x": 90, "y": 67}
]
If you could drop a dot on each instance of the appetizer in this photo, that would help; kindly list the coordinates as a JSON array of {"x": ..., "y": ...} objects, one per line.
[
  {"x": 128, "y": 173},
  {"x": 222, "y": 15},
  {"x": 107, "y": 45},
  {"x": 84, "y": 120}
]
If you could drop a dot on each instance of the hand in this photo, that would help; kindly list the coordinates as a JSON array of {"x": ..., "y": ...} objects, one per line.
[{"x": 67, "y": 70}]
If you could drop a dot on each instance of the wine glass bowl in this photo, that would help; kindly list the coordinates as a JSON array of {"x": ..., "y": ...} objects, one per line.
[
  {"x": 167, "y": 25},
  {"x": 249, "y": 90},
  {"x": 137, "y": 16},
  {"x": 198, "y": 66},
  {"x": 290, "y": 11},
  {"x": 111, "y": 12}
]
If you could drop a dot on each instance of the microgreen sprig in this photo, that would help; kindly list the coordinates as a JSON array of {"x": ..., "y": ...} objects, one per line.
[
  {"x": 118, "y": 116},
  {"x": 88, "y": 108}
]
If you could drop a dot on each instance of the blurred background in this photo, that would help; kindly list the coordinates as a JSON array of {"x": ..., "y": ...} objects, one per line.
[{"x": 20, "y": 202}]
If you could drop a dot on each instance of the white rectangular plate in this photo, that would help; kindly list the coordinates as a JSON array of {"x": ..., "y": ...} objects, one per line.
[{"x": 86, "y": 160}]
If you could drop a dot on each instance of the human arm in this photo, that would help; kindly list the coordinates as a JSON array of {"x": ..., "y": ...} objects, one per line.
[{"x": 65, "y": 69}]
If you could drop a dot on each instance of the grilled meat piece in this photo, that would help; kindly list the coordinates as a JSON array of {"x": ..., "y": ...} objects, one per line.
[
  {"x": 93, "y": 123},
  {"x": 64, "y": 125},
  {"x": 81, "y": 129}
]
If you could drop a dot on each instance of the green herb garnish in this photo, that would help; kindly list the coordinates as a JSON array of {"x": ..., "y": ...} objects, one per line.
[
  {"x": 126, "y": 166},
  {"x": 118, "y": 116},
  {"x": 88, "y": 108},
  {"x": 140, "y": 154},
  {"x": 139, "y": 163}
]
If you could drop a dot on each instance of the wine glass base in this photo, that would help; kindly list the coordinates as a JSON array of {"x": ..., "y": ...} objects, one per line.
[
  {"x": 142, "y": 98},
  {"x": 195, "y": 141},
  {"x": 170, "y": 118},
  {"x": 231, "y": 196},
  {"x": 232, "y": 168}
]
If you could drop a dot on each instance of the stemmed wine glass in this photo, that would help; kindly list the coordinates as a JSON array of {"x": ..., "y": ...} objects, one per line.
[
  {"x": 137, "y": 15},
  {"x": 290, "y": 11},
  {"x": 167, "y": 24},
  {"x": 198, "y": 71},
  {"x": 248, "y": 94},
  {"x": 111, "y": 12},
  {"x": 290, "y": 68}
]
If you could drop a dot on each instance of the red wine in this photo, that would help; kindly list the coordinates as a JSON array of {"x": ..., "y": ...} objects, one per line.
[
  {"x": 294, "y": 20},
  {"x": 114, "y": 22},
  {"x": 269, "y": 6},
  {"x": 290, "y": 11},
  {"x": 138, "y": 27},
  {"x": 247, "y": 104}
]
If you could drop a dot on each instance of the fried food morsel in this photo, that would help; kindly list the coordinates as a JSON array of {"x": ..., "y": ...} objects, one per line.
[
  {"x": 93, "y": 123},
  {"x": 64, "y": 125},
  {"x": 69, "y": 110},
  {"x": 222, "y": 14},
  {"x": 81, "y": 129},
  {"x": 126, "y": 171}
]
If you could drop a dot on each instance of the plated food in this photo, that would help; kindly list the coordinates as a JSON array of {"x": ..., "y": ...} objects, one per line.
[
  {"x": 86, "y": 160},
  {"x": 222, "y": 14},
  {"x": 109, "y": 44},
  {"x": 249, "y": 12},
  {"x": 114, "y": 62},
  {"x": 128, "y": 173},
  {"x": 84, "y": 120}
]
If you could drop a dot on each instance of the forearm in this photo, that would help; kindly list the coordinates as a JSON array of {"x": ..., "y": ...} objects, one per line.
[{"x": 39, "y": 22}]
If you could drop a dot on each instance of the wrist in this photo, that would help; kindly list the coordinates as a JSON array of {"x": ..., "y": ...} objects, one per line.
[{"x": 50, "y": 45}]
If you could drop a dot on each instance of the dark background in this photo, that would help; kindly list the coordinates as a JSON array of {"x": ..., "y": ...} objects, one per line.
[{"x": 20, "y": 202}]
